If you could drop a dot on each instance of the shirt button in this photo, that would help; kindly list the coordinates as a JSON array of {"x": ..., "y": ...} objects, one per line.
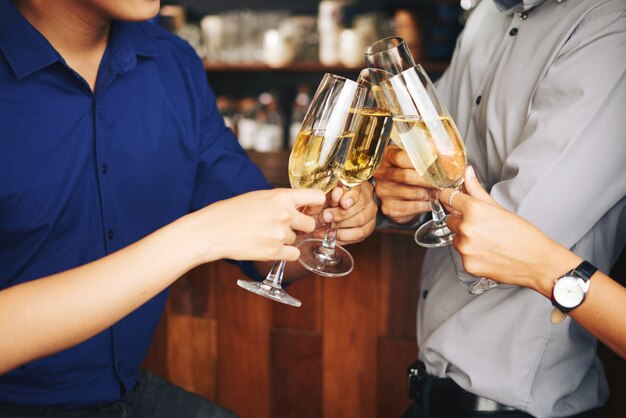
[
  {"x": 478, "y": 99},
  {"x": 424, "y": 294},
  {"x": 111, "y": 234},
  {"x": 104, "y": 168},
  {"x": 522, "y": 15},
  {"x": 513, "y": 32}
]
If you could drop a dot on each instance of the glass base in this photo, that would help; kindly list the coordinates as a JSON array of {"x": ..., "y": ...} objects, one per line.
[
  {"x": 329, "y": 263},
  {"x": 430, "y": 235},
  {"x": 268, "y": 289},
  {"x": 481, "y": 286}
]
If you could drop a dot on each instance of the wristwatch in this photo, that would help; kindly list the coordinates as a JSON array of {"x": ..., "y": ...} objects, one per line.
[{"x": 570, "y": 290}]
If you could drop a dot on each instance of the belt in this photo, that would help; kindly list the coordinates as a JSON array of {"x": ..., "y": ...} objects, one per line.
[{"x": 423, "y": 385}]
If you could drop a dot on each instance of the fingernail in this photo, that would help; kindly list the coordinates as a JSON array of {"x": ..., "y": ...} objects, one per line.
[
  {"x": 328, "y": 217},
  {"x": 349, "y": 203}
]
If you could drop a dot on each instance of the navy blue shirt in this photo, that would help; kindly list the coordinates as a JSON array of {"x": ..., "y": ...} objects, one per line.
[{"x": 84, "y": 174}]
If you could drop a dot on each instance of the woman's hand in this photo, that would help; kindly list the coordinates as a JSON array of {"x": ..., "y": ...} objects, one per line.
[
  {"x": 259, "y": 225},
  {"x": 496, "y": 243},
  {"x": 402, "y": 191}
]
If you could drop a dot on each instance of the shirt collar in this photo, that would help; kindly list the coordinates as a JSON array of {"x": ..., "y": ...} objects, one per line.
[
  {"x": 24, "y": 47},
  {"x": 515, "y": 6},
  {"x": 28, "y": 51}
]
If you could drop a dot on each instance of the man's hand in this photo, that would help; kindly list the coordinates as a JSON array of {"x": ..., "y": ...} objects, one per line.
[
  {"x": 403, "y": 193},
  {"x": 354, "y": 212}
]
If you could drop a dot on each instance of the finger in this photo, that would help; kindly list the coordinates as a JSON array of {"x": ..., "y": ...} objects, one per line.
[
  {"x": 403, "y": 208},
  {"x": 398, "y": 157},
  {"x": 474, "y": 188},
  {"x": 407, "y": 176},
  {"x": 458, "y": 201},
  {"x": 453, "y": 223},
  {"x": 288, "y": 253},
  {"x": 354, "y": 235},
  {"x": 351, "y": 197},
  {"x": 334, "y": 197},
  {"x": 306, "y": 197},
  {"x": 291, "y": 237},
  {"x": 302, "y": 222},
  {"x": 388, "y": 190},
  {"x": 360, "y": 217}
]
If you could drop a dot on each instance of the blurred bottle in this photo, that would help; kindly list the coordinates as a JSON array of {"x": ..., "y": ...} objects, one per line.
[
  {"x": 269, "y": 119},
  {"x": 246, "y": 122},
  {"x": 407, "y": 26},
  {"x": 329, "y": 25},
  {"x": 228, "y": 109},
  {"x": 300, "y": 106}
]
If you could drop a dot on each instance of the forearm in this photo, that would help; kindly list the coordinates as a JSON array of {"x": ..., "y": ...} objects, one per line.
[
  {"x": 44, "y": 316},
  {"x": 602, "y": 312}
]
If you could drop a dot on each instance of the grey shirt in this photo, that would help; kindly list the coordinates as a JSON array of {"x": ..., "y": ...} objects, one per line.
[{"x": 541, "y": 105}]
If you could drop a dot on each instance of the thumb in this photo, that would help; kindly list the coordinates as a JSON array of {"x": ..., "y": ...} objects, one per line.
[{"x": 474, "y": 188}]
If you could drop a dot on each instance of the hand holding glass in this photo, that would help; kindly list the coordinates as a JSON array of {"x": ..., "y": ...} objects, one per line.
[
  {"x": 433, "y": 144},
  {"x": 372, "y": 126},
  {"x": 317, "y": 158}
]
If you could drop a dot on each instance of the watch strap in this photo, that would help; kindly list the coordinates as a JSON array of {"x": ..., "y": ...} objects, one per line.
[{"x": 585, "y": 270}]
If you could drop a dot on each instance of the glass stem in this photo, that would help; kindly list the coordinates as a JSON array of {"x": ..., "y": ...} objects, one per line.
[
  {"x": 330, "y": 240},
  {"x": 275, "y": 276},
  {"x": 439, "y": 216}
]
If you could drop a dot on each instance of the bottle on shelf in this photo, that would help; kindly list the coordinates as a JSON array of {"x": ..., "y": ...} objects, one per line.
[
  {"x": 269, "y": 119},
  {"x": 300, "y": 105},
  {"x": 246, "y": 122}
]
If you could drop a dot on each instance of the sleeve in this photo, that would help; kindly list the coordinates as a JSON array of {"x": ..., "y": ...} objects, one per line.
[
  {"x": 224, "y": 170},
  {"x": 569, "y": 169}
]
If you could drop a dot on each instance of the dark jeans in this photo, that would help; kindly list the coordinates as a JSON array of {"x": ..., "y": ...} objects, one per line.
[{"x": 150, "y": 398}]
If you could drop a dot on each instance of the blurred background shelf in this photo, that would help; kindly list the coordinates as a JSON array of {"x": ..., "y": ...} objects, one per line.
[{"x": 304, "y": 67}]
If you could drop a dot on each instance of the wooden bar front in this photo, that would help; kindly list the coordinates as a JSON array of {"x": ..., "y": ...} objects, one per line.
[{"x": 343, "y": 354}]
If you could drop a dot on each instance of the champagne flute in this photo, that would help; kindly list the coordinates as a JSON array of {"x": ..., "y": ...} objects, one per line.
[
  {"x": 433, "y": 144},
  {"x": 372, "y": 127},
  {"x": 317, "y": 158},
  {"x": 393, "y": 55}
]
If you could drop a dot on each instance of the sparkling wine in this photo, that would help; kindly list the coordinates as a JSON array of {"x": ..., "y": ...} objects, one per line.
[
  {"x": 316, "y": 161},
  {"x": 435, "y": 149},
  {"x": 371, "y": 135}
]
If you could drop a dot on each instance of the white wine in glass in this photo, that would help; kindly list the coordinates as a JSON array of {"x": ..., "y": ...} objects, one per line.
[
  {"x": 316, "y": 158},
  {"x": 371, "y": 125},
  {"x": 434, "y": 146}
]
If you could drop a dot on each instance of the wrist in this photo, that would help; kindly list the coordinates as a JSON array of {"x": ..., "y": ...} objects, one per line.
[
  {"x": 556, "y": 262},
  {"x": 201, "y": 247}
]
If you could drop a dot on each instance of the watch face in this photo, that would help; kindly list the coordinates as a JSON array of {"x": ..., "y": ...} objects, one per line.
[{"x": 568, "y": 292}]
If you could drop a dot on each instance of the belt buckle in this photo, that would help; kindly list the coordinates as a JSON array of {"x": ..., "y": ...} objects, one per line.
[{"x": 416, "y": 374}]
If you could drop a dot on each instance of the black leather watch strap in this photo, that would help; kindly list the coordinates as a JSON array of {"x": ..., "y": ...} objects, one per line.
[{"x": 585, "y": 270}]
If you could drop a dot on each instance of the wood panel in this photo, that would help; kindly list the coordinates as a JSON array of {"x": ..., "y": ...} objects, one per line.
[
  {"x": 394, "y": 357},
  {"x": 243, "y": 345},
  {"x": 400, "y": 266},
  {"x": 296, "y": 374},
  {"x": 192, "y": 353},
  {"x": 349, "y": 324},
  {"x": 308, "y": 317},
  {"x": 194, "y": 293}
]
